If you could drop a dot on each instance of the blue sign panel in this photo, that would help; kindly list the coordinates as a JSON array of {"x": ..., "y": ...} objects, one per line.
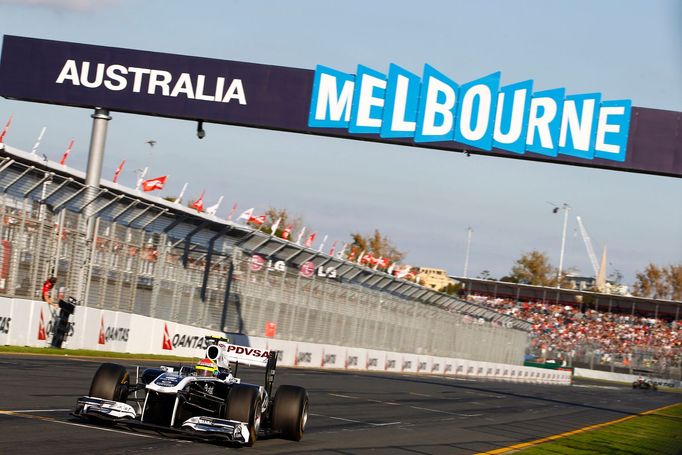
[{"x": 483, "y": 116}]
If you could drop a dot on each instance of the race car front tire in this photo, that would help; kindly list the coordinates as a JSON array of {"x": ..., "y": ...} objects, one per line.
[
  {"x": 290, "y": 411},
  {"x": 110, "y": 383},
  {"x": 244, "y": 405}
]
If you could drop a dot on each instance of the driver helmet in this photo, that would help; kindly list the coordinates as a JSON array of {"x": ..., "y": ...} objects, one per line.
[{"x": 206, "y": 368}]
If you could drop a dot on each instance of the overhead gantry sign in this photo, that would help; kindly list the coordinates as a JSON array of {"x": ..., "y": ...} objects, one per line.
[{"x": 428, "y": 110}]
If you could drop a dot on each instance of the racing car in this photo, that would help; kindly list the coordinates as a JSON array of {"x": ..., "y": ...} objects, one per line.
[
  {"x": 644, "y": 383},
  {"x": 207, "y": 400}
]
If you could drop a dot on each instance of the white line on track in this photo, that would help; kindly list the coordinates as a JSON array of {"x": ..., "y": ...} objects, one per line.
[
  {"x": 73, "y": 424},
  {"x": 445, "y": 412},
  {"x": 390, "y": 403},
  {"x": 38, "y": 410},
  {"x": 343, "y": 396},
  {"x": 420, "y": 394},
  {"x": 357, "y": 421}
]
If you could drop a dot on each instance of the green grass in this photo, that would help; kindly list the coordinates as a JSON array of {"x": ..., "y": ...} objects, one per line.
[
  {"x": 656, "y": 433},
  {"x": 90, "y": 353}
]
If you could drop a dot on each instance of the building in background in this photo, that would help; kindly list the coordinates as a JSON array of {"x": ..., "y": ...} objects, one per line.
[{"x": 437, "y": 279}]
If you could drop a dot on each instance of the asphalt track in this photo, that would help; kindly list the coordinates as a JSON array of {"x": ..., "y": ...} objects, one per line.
[{"x": 351, "y": 413}]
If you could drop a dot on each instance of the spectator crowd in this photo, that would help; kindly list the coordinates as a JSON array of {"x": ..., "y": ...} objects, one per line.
[{"x": 564, "y": 331}]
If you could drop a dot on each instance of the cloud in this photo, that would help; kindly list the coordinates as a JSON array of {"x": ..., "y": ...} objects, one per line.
[{"x": 64, "y": 5}]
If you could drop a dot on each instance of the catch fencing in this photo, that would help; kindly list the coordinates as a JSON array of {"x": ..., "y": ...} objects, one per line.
[{"x": 237, "y": 288}]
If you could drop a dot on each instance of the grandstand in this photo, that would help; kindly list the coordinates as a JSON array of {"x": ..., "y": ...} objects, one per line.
[
  {"x": 155, "y": 258},
  {"x": 589, "y": 330}
]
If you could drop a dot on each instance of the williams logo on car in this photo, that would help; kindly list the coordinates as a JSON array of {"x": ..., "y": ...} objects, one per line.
[
  {"x": 109, "y": 333},
  {"x": 4, "y": 324},
  {"x": 181, "y": 340}
]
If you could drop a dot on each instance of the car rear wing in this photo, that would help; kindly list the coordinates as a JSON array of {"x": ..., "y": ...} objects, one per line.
[{"x": 222, "y": 352}]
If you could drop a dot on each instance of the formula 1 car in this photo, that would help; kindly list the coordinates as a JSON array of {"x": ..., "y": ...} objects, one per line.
[
  {"x": 644, "y": 383},
  {"x": 182, "y": 399}
]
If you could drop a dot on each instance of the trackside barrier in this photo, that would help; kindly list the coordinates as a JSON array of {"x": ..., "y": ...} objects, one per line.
[{"x": 30, "y": 323}]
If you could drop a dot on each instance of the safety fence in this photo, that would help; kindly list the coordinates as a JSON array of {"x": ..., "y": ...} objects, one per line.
[{"x": 118, "y": 249}]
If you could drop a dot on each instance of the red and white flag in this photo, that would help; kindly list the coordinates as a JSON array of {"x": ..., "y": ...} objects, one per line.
[
  {"x": 286, "y": 233},
  {"x": 342, "y": 252},
  {"x": 300, "y": 236},
  {"x": 232, "y": 212},
  {"x": 2, "y": 135},
  {"x": 199, "y": 203},
  {"x": 178, "y": 200},
  {"x": 140, "y": 178},
  {"x": 66, "y": 153},
  {"x": 309, "y": 241},
  {"x": 324, "y": 240},
  {"x": 37, "y": 144},
  {"x": 257, "y": 220},
  {"x": 331, "y": 250},
  {"x": 212, "y": 210},
  {"x": 275, "y": 225},
  {"x": 246, "y": 215},
  {"x": 154, "y": 184},
  {"x": 118, "y": 170}
]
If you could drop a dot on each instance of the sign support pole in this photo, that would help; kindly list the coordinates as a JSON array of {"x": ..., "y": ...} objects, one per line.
[{"x": 93, "y": 175}]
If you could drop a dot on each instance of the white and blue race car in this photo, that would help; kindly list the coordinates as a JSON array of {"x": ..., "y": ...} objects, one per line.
[{"x": 181, "y": 399}]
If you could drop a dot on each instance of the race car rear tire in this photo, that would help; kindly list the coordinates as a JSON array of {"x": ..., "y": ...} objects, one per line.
[
  {"x": 110, "y": 383},
  {"x": 290, "y": 411},
  {"x": 244, "y": 404}
]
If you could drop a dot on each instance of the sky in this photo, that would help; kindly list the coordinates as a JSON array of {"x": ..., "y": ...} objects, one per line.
[{"x": 423, "y": 200}]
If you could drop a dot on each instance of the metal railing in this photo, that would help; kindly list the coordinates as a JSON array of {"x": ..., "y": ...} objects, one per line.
[{"x": 163, "y": 262}]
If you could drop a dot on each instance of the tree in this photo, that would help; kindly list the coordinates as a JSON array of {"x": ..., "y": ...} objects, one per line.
[
  {"x": 533, "y": 268},
  {"x": 659, "y": 282},
  {"x": 378, "y": 244},
  {"x": 674, "y": 275},
  {"x": 485, "y": 275},
  {"x": 286, "y": 219}
]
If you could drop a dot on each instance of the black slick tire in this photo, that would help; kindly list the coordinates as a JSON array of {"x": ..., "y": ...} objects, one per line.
[
  {"x": 110, "y": 382},
  {"x": 290, "y": 412},
  {"x": 244, "y": 405}
]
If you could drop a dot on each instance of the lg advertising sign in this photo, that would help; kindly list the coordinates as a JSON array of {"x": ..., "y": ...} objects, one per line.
[{"x": 430, "y": 109}]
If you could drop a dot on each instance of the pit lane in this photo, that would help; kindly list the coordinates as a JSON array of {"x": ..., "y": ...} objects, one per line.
[{"x": 350, "y": 413}]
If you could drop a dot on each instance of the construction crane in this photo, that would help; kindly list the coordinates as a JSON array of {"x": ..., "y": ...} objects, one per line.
[{"x": 588, "y": 245}]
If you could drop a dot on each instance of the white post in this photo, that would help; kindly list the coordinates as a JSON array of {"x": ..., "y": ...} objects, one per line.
[
  {"x": 566, "y": 208},
  {"x": 466, "y": 257}
]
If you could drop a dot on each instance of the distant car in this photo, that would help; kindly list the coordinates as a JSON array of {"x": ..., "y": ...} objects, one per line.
[
  {"x": 644, "y": 383},
  {"x": 218, "y": 406}
]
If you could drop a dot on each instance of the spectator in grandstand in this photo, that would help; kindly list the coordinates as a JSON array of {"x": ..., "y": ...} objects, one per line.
[
  {"x": 559, "y": 331},
  {"x": 47, "y": 291}
]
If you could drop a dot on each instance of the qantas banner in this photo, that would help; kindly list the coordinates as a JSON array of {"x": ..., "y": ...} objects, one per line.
[
  {"x": 487, "y": 115},
  {"x": 30, "y": 323}
]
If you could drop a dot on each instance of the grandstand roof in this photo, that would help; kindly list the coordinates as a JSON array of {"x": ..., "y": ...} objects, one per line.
[
  {"x": 611, "y": 302},
  {"x": 23, "y": 174}
]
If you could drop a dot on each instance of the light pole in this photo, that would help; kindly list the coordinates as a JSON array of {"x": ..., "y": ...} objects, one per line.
[
  {"x": 565, "y": 207},
  {"x": 466, "y": 257}
]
